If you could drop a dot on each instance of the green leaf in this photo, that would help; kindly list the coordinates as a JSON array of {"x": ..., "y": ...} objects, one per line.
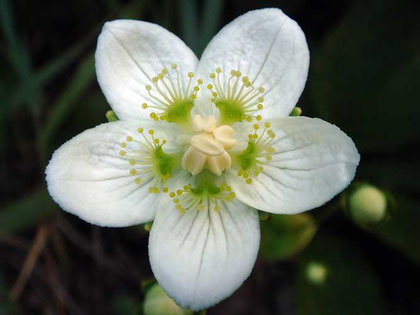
[
  {"x": 286, "y": 235},
  {"x": 26, "y": 212},
  {"x": 365, "y": 77},
  {"x": 402, "y": 231},
  {"x": 125, "y": 305},
  {"x": 158, "y": 302},
  {"x": 189, "y": 23},
  {"x": 212, "y": 14},
  {"x": 350, "y": 285}
]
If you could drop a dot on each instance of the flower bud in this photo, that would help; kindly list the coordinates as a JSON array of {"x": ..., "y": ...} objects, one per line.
[
  {"x": 157, "y": 302},
  {"x": 316, "y": 273},
  {"x": 367, "y": 204}
]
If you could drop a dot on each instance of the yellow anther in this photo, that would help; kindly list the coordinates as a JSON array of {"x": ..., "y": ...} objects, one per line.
[
  {"x": 137, "y": 181},
  {"x": 187, "y": 187},
  {"x": 270, "y": 150},
  {"x": 148, "y": 87},
  {"x": 233, "y": 73},
  {"x": 249, "y": 181},
  {"x": 160, "y": 76},
  {"x": 190, "y": 75},
  {"x": 240, "y": 172},
  {"x": 133, "y": 172},
  {"x": 210, "y": 86},
  {"x": 261, "y": 90},
  {"x": 261, "y": 100},
  {"x": 212, "y": 75},
  {"x": 164, "y": 71},
  {"x": 132, "y": 162},
  {"x": 214, "y": 94},
  {"x": 196, "y": 88},
  {"x": 232, "y": 195},
  {"x": 267, "y": 125},
  {"x": 144, "y": 105},
  {"x": 179, "y": 192},
  {"x": 151, "y": 132},
  {"x": 176, "y": 200},
  {"x": 123, "y": 144},
  {"x": 245, "y": 175},
  {"x": 155, "y": 79},
  {"x": 165, "y": 189},
  {"x": 129, "y": 138},
  {"x": 122, "y": 153},
  {"x": 153, "y": 190},
  {"x": 245, "y": 79},
  {"x": 172, "y": 194},
  {"x": 218, "y": 70},
  {"x": 228, "y": 188},
  {"x": 156, "y": 141},
  {"x": 199, "y": 81},
  {"x": 259, "y": 118},
  {"x": 174, "y": 66},
  {"x": 260, "y": 106},
  {"x": 249, "y": 119},
  {"x": 256, "y": 126},
  {"x": 140, "y": 130}
]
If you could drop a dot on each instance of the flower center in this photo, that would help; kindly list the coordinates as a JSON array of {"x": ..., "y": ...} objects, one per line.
[
  {"x": 208, "y": 147},
  {"x": 236, "y": 97}
]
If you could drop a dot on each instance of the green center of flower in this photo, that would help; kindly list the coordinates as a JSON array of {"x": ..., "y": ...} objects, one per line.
[
  {"x": 170, "y": 98},
  {"x": 235, "y": 97},
  {"x": 258, "y": 152},
  {"x": 148, "y": 162}
]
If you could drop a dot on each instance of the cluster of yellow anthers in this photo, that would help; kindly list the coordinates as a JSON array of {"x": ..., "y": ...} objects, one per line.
[
  {"x": 188, "y": 198},
  {"x": 168, "y": 90},
  {"x": 237, "y": 90},
  {"x": 258, "y": 152},
  {"x": 141, "y": 156}
]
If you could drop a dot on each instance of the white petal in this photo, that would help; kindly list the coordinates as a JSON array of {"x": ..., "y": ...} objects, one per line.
[
  {"x": 269, "y": 48},
  {"x": 202, "y": 257},
  {"x": 313, "y": 161},
  {"x": 87, "y": 177},
  {"x": 129, "y": 54}
]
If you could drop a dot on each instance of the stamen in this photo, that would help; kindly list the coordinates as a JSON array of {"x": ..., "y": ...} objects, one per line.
[
  {"x": 201, "y": 198},
  {"x": 169, "y": 98},
  {"x": 149, "y": 164},
  {"x": 258, "y": 153},
  {"x": 236, "y": 97}
]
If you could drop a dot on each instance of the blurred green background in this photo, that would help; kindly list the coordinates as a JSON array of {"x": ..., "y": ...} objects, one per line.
[{"x": 338, "y": 259}]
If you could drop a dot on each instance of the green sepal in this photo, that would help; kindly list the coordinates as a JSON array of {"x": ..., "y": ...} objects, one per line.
[{"x": 111, "y": 116}]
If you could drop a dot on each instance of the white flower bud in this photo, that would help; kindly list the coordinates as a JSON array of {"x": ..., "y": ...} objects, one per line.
[{"x": 367, "y": 204}]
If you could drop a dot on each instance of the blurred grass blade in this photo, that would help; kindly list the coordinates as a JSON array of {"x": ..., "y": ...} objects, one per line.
[
  {"x": 18, "y": 55},
  {"x": 286, "y": 235},
  {"x": 189, "y": 23},
  {"x": 80, "y": 81},
  {"x": 334, "y": 278},
  {"x": 26, "y": 212},
  {"x": 212, "y": 13}
]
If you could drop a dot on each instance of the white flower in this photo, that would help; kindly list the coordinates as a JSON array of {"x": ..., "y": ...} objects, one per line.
[{"x": 200, "y": 146}]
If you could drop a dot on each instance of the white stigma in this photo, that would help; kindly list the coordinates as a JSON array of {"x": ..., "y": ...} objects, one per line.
[{"x": 208, "y": 147}]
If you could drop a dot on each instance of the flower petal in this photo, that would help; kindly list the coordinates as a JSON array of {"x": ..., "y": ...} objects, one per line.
[
  {"x": 129, "y": 54},
  {"x": 87, "y": 177},
  {"x": 202, "y": 257},
  {"x": 269, "y": 48},
  {"x": 313, "y": 161}
]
